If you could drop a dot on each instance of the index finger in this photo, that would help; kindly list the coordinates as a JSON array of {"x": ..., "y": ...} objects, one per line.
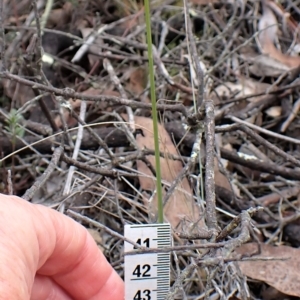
[{"x": 71, "y": 257}]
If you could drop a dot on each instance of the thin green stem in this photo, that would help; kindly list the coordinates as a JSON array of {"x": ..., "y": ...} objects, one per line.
[{"x": 154, "y": 113}]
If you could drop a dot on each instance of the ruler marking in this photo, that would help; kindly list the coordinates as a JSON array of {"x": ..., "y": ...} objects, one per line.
[
  {"x": 148, "y": 278},
  {"x": 155, "y": 266}
]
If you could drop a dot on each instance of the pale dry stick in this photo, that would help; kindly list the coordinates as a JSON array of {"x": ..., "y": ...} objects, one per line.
[
  {"x": 70, "y": 93},
  {"x": 256, "y": 164},
  {"x": 76, "y": 148},
  {"x": 125, "y": 41},
  {"x": 114, "y": 78},
  {"x": 178, "y": 270},
  {"x": 179, "y": 280},
  {"x": 30, "y": 103},
  {"x": 210, "y": 196},
  {"x": 194, "y": 56},
  {"x": 140, "y": 29},
  {"x": 136, "y": 58},
  {"x": 201, "y": 234},
  {"x": 9, "y": 183},
  {"x": 265, "y": 131},
  {"x": 47, "y": 138},
  {"x": 90, "y": 40},
  {"x": 278, "y": 80},
  {"x": 236, "y": 221},
  {"x": 103, "y": 227},
  {"x": 84, "y": 48},
  {"x": 178, "y": 248},
  {"x": 141, "y": 249},
  {"x": 291, "y": 116},
  {"x": 65, "y": 125},
  {"x": 282, "y": 196},
  {"x": 45, "y": 176},
  {"x": 95, "y": 136},
  {"x": 33, "y": 29},
  {"x": 161, "y": 67},
  {"x": 191, "y": 44},
  {"x": 163, "y": 35},
  {"x": 244, "y": 235},
  {"x": 182, "y": 174},
  {"x": 259, "y": 139},
  {"x": 46, "y": 14},
  {"x": 295, "y": 84},
  {"x": 114, "y": 173},
  {"x": 217, "y": 289},
  {"x": 193, "y": 75},
  {"x": 124, "y": 128},
  {"x": 235, "y": 50}
]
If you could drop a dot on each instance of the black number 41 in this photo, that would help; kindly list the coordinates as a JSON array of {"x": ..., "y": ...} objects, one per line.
[
  {"x": 145, "y": 242},
  {"x": 142, "y": 295}
]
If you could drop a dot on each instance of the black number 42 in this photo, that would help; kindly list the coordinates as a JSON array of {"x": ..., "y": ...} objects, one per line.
[
  {"x": 142, "y": 295},
  {"x": 142, "y": 271}
]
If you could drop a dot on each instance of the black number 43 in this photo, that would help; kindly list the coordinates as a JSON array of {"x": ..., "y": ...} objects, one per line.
[
  {"x": 142, "y": 295},
  {"x": 142, "y": 271}
]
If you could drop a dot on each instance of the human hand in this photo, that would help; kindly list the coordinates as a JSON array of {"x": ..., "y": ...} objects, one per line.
[{"x": 46, "y": 255}]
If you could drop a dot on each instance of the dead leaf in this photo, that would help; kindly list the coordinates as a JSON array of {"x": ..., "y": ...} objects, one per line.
[
  {"x": 137, "y": 80},
  {"x": 17, "y": 92},
  {"x": 61, "y": 16},
  {"x": 137, "y": 83},
  {"x": 263, "y": 65},
  {"x": 274, "y": 111},
  {"x": 243, "y": 87},
  {"x": 220, "y": 179},
  {"x": 282, "y": 274},
  {"x": 268, "y": 28},
  {"x": 284, "y": 15},
  {"x": 181, "y": 205},
  {"x": 274, "y": 198}
]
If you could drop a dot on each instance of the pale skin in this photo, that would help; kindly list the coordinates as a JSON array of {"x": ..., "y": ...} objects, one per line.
[{"x": 47, "y": 255}]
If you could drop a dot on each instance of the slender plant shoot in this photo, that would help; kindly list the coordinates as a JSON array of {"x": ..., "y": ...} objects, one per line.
[{"x": 154, "y": 113}]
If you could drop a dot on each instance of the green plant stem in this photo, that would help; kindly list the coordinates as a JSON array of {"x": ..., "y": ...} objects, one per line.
[{"x": 154, "y": 112}]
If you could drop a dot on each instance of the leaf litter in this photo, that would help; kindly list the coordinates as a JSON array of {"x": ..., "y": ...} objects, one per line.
[{"x": 249, "y": 53}]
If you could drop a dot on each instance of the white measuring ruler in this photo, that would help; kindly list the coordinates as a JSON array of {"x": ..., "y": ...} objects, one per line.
[{"x": 147, "y": 276}]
